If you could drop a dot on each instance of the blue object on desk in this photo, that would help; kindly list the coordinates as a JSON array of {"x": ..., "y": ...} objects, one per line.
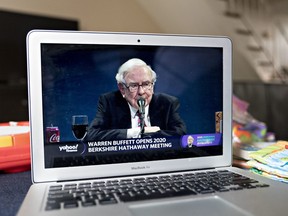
[{"x": 13, "y": 188}]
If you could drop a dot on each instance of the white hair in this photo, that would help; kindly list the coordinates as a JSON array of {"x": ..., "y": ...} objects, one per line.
[{"x": 129, "y": 65}]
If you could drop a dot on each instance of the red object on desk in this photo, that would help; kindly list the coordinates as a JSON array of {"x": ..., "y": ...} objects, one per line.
[{"x": 16, "y": 158}]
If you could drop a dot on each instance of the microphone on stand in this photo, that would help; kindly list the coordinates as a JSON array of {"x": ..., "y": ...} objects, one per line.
[{"x": 141, "y": 104}]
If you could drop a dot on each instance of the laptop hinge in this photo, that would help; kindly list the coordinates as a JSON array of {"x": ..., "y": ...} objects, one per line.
[{"x": 144, "y": 174}]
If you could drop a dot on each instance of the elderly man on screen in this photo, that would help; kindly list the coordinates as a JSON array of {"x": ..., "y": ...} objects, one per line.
[{"x": 117, "y": 112}]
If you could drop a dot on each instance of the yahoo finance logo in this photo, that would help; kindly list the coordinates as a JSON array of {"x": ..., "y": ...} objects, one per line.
[{"x": 70, "y": 148}]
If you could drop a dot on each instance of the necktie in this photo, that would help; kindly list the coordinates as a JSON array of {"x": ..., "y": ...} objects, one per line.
[{"x": 139, "y": 119}]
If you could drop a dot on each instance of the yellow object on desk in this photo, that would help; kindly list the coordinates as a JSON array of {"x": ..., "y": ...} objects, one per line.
[{"x": 6, "y": 141}]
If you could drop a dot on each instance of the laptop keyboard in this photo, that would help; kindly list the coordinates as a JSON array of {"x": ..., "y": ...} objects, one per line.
[{"x": 73, "y": 195}]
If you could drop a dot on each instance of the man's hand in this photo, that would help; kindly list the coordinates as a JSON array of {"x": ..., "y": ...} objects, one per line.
[{"x": 152, "y": 129}]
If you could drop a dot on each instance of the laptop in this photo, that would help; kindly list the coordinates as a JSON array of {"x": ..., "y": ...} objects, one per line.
[{"x": 180, "y": 173}]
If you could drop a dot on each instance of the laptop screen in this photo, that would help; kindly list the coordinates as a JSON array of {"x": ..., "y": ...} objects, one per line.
[{"x": 89, "y": 117}]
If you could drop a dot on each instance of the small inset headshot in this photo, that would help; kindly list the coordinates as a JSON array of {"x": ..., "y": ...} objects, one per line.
[
  {"x": 190, "y": 141},
  {"x": 187, "y": 141}
]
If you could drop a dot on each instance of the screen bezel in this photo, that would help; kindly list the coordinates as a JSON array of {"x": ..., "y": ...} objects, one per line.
[{"x": 42, "y": 174}]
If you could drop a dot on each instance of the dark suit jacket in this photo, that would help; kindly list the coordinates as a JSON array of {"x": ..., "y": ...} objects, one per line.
[{"x": 113, "y": 117}]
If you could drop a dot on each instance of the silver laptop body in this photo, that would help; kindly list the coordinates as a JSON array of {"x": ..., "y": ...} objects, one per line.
[{"x": 69, "y": 71}]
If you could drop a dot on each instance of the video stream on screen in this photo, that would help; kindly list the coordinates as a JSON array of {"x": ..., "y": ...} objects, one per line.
[{"x": 86, "y": 115}]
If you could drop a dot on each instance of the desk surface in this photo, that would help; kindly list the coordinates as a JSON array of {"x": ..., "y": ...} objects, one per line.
[{"x": 13, "y": 188}]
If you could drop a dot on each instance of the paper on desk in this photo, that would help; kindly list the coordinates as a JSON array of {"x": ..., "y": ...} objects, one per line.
[
  {"x": 275, "y": 155},
  {"x": 269, "y": 175},
  {"x": 280, "y": 172},
  {"x": 11, "y": 130},
  {"x": 271, "y": 161}
]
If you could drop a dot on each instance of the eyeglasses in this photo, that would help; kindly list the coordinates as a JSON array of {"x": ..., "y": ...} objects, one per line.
[{"x": 133, "y": 87}]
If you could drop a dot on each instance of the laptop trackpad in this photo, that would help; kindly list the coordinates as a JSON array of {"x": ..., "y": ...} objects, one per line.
[{"x": 187, "y": 207}]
